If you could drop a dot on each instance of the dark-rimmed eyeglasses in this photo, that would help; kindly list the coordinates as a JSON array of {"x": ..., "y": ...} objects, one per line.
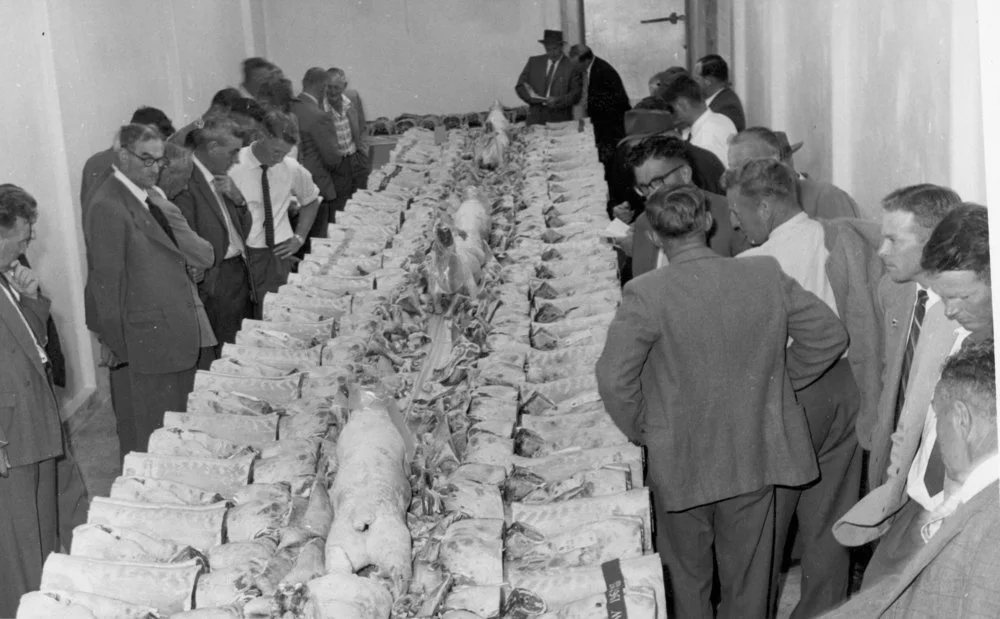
[
  {"x": 148, "y": 161},
  {"x": 647, "y": 189}
]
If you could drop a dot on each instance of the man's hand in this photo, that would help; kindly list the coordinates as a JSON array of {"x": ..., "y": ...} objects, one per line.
[
  {"x": 288, "y": 248},
  {"x": 4, "y": 462},
  {"x": 196, "y": 275},
  {"x": 23, "y": 280},
  {"x": 624, "y": 212},
  {"x": 224, "y": 184}
]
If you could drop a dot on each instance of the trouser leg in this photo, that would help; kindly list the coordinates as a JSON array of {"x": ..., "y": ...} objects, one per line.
[
  {"x": 343, "y": 183},
  {"x": 74, "y": 499},
  {"x": 685, "y": 546},
  {"x": 268, "y": 273},
  {"x": 121, "y": 401},
  {"x": 154, "y": 394},
  {"x": 27, "y": 530},
  {"x": 359, "y": 171},
  {"x": 744, "y": 546},
  {"x": 227, "y": 298}
]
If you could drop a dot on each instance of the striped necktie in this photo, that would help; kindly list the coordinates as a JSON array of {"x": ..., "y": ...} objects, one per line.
[
  {"x": 265, "y": 187},
  {"x": 548, "y": 77},
  {"x": 919, "y": 309}
]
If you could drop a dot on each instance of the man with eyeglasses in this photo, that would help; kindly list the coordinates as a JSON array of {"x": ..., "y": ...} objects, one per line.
[
  {"x": 665, "y": 161},
  {"x": 139, "y": 298}
]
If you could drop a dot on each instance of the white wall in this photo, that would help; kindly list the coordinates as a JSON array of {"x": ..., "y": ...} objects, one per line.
[
  {"x": 445, "y": 56},
  {"x": 884, "y": 94},
  {"x": 75, "y": 71}
]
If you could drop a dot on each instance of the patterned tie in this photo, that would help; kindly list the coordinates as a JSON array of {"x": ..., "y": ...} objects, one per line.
[
  {"x": 161, "y": 219},
  {"x": 548, "y": 77},
  {"x": 268, "y": 212},
  {"x": 919, "y": 309}
]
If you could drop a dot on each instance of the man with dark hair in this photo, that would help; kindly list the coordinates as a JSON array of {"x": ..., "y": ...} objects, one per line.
[
  {"x": 153, "y": 116},
  {"x": 255, "y": 71},
  {"x": 30, "y": 433},
  {"x": 549, "y": 84},
  {"x": 709, "y": 130},
  {"x": 837, "y": 262},
  {"x": 953, "y": 572},
  {"x": 662, "y": 161},
  {"x": 604, "y": 101},
  {"x": 713, "y": 74},
  {"x": 818, "y": 199},
  {"x": 319, "y": 151},
  {"x": 217, "y": 211},
  {"x": 682, "y": 375},
  {"x": 249, "y": 115},
  {"x": 140, "y": 299},
  {"x": 351, "y": 171},
  {"x": 268, "y": 179},
  {"x": 955, "y": 263},
  {"x": 662, "y": 80},
  {"x": 909, "y": 215},
  {"x": 221, "y": 105}
]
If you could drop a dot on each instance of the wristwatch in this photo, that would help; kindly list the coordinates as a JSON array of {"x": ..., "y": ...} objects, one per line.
[{"x": 298, "y": 237}]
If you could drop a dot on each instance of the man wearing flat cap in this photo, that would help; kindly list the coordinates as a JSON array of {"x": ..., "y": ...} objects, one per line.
[{"x": 549, "y": 83}]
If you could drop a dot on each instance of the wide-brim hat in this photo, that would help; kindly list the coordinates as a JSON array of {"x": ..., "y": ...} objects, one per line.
[
  {"x": 552, "y": 36},
  {"x": 786, "y": 148},
  {"x": 642, "y": 124}
]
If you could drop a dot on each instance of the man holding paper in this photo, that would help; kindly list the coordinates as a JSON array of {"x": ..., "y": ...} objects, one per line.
[{"x": 549, "y": 84}]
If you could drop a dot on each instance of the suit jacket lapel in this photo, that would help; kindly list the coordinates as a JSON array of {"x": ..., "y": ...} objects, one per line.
[
  {"x": 10, "y": 315},
  {"x": 144, "y": 219},
  {"x": 208, "y": 194}
]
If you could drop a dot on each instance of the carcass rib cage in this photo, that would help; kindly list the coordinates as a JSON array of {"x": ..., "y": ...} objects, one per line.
[{"x": 230, "y": 508}]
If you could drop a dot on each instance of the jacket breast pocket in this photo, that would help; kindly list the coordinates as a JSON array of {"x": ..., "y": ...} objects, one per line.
[{"x": 146, "y": 317}]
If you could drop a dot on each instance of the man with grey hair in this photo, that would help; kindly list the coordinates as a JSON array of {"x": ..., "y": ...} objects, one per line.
[
  {"x": 30, "y": 433},
  {"x": 139, "y": 297},
  {"x": 954, "y": 570},
  {"x": 351, "y": 172},
  {"x": 837, "y": 262},
  {"x": 817, "y": 198},
  {"x": 319, "y": 150},
  {"x": 683, "y": 375}
]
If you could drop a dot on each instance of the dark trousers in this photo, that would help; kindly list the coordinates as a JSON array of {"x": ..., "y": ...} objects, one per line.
[
  {"x": 741, "y": 529},
  {"x": 73, "y": 497},
  {"x": 898, "y": 545},
  {"x": 350, "y": 175},
  {"x": 28, "y": 529},
  {"x": 226, "y": 294},
  {"x": 831, "y": 405},
  {"x": 152, "y": 395},
  {"x": 268, "y": 273},
  {"x": 121, "y": 401}
]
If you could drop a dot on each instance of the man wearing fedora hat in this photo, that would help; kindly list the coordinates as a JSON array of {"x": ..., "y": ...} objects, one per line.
[{"x": 549, "y": 83}]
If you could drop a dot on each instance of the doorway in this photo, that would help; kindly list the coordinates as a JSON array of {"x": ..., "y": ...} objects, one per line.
[{"x": 638, "y": 37}]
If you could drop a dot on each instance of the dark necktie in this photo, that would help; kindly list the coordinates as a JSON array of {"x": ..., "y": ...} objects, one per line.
[
  {"x": 548, "y": 77},
  {"x": 265, "y": 187},
  {"x": 161, "y": 219},
  {"x": 919, "y": 309}
]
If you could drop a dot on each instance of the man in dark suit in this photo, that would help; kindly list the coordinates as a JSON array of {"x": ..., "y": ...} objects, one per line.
[
  {"x": 216, "y": 211},
  {"x": 837, "y": 262},
  {"x": 954, "y": 571},
  {"x": 909, "y": 215},
  {"x": 318, "y": 148},
  {"x": 30, "y": 433},
  {"x": 682, "y": 374},
  {"x": 713, "y": 74},
  {"x": 549, "y": 84},
  {"x": 604, "y": 101},
  {"x": 140, "y": 300}
]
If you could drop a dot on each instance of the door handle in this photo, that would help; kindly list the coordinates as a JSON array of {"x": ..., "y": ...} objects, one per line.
[{"x": 673, "y": 18}]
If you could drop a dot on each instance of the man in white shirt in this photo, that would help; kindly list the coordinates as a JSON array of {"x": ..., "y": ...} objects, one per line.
[
  {"x": 268, "y": 179},
  {"x": 709, "y": 130},
  {"x": 764, "y": 207},
  {"x": 953, "y": 572}
]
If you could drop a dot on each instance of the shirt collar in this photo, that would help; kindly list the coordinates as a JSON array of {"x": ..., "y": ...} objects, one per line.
[
  {"x": 201, "y": 168},
  {"x": 701, "y": 120},
  {"x": 980, "y": 478},
  {"x": 932, "y": 297},
  {"x": 246, "y": 154},
  {"x": 709, "y": 100},
  {"x": 137, "y": 191}
]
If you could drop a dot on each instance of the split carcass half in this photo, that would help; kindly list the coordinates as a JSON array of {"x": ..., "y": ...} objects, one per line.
[{"x": 370, "y": 495}]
